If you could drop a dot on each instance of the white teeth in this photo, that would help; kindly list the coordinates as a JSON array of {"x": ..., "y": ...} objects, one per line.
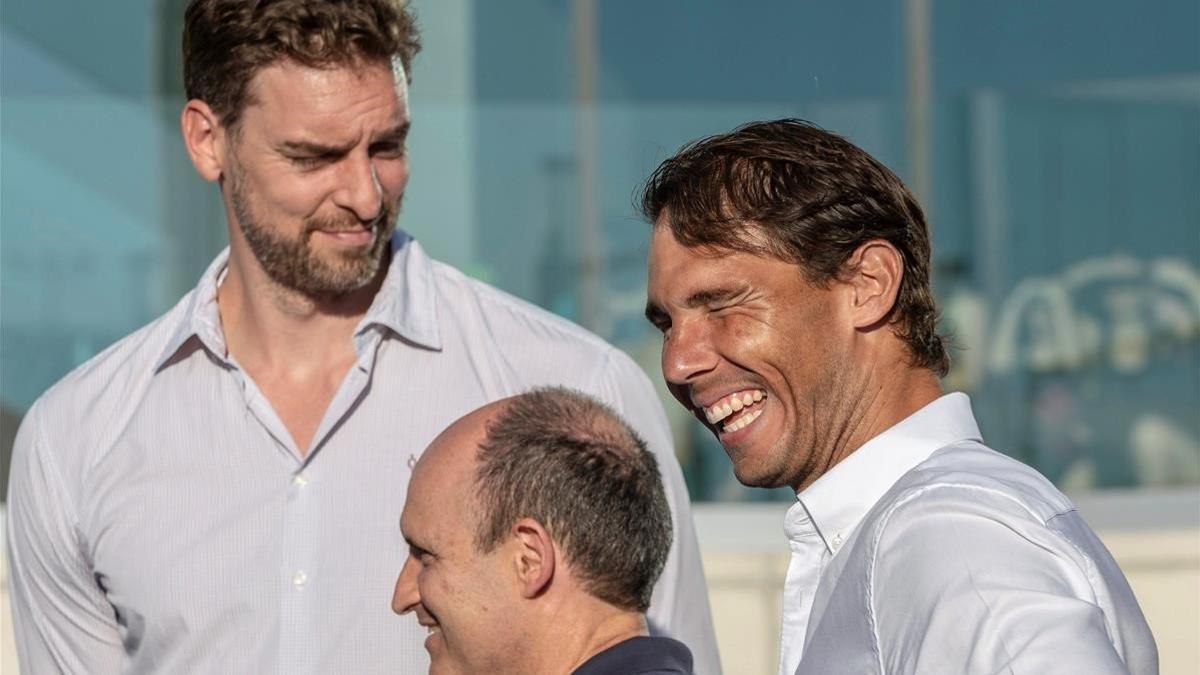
[
  {"x": 742, "y": 422},
  {"x": 735, "y": 403}
]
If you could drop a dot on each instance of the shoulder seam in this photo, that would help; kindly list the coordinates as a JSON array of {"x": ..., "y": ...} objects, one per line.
[
  {"x": 877, "y": 535},
  {"x": 539, "y": 314}
]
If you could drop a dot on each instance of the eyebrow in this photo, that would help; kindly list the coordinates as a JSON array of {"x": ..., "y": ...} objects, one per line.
[
  {"x": 712, "y": 296},
  {"x": 396, "y": 133},
  {"x": 413, "y": 547},
  {"x": 655, "y": 314},
  {"x": 314, "y": 148}
]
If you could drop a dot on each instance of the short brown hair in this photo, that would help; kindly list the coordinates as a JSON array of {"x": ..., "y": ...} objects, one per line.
[
  {"x": 815, "y": 197},
  {"x": 226, "y": 42},
  {"x": 570, "y": 463}
]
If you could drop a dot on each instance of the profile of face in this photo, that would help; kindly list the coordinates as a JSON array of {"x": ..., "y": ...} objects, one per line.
[
  {"x": 459, "y": 593},
  {"x": 315, "y": 171},
  {"x": 756, "y": 352}
]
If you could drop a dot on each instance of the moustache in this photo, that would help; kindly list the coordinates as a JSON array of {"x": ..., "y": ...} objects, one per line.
[{"x": 348, "y": 223}]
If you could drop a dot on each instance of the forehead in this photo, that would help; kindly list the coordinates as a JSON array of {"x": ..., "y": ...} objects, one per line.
[
  {"x": 677, "y": 273},
  {"x": 669, "y": 259},
  {"x": 287, "y": 94},
  {"x": 441, "y": 488}
]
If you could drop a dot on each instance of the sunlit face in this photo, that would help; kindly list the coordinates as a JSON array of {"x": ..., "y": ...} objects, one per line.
[
  {"x": 460, "y": 594},
  {"x": 757, "y": 353},
  {"x": 316, "y": 171}
]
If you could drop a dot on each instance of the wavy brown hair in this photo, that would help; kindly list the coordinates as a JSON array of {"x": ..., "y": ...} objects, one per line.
[
  {"x": 814, "y": 198},
  {"x": 226, "y": 42}
]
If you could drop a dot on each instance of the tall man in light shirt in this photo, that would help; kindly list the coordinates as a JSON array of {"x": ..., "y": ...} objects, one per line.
[
  {"x": 789, "y": 275},
  {"x": 218, "y": 491}
]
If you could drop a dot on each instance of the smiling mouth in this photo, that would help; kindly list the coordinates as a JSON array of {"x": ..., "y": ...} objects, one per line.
[
  {"x": 354, "y": 236},
  {"x": 736, "y": 411}
]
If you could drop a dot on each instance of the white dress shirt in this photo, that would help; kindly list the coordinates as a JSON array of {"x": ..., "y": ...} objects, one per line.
[
  {"x": 162, "y": 520},
  {"x": 925, "y": 552}
]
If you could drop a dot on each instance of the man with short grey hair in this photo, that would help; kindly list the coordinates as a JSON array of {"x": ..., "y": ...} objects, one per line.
[{"x": 537, "y": 526}]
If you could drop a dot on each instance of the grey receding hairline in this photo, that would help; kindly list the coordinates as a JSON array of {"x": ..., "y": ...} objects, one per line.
[{"x": 574, "y": 465}]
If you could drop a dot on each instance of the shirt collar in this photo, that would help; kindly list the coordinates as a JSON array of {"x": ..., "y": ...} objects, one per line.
[
  {"x": 407, "y": 301},
  {"x": 641, "y": 654},
  {"x": 838, "y": 500},
  {"x": 406, "y": 304}
]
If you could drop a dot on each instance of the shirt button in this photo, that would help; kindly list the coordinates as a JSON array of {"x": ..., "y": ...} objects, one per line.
[
  {"x": 300, "y": 480},
  {"x": 299, "y": 579},
  {"x": 837, "y": 540}
]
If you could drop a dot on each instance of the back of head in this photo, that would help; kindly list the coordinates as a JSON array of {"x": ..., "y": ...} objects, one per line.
[
  {"x": 798, "y": 193},
  {"x": 574, "y": 466},
  {"x": 225, "y": 42}
]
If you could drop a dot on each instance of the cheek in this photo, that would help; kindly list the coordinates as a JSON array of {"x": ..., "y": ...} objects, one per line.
[
  {"x": 393, "y": 176},
  {"x": 290, "y": 194},
  {"x": 750, "y": 341}
]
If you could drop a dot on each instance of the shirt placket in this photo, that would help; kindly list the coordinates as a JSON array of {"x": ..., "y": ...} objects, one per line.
[
  {"x": 305, "y": 527},
  {"x": 299, "y": 572},
  {"x": 808, "y": 555}
]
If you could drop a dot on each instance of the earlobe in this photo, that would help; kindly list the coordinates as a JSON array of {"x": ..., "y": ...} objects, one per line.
[
  {"x": 534, "y": 558},
  {"x": 878, "y": 269},
  {"x": 202, "y": 136}
]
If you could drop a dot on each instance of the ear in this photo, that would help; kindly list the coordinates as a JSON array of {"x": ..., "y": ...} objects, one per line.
[
  {"x": 535, "y": 557},
  {"x": 877, "y": 270},
  {"x": 204, "y": 139}
]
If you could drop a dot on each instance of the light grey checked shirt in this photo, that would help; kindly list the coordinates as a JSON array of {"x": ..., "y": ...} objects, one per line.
[{"x": 161, "y": 520}]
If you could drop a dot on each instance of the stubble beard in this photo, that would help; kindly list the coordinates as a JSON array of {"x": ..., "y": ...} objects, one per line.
[
  {"x": 797, "y": 460},
  {"x": 294, "y": 265}
]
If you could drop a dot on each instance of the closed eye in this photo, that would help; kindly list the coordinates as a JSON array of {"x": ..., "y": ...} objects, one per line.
[
  {"x": 389, "y": 150},
  {"x": 657, "y": 317},
  {"x": 313, "y": 161},
  {"x": 422, "y": 555}
]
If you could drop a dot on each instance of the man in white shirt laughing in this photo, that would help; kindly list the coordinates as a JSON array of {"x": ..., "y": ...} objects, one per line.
[{"x": 789, "y": 275}]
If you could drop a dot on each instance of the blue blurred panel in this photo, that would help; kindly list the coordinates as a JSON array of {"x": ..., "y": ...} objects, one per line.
[
  {"x": 1026, "y": 44},
  {"x": 78, "y": 272},
  {"x": 29, "y": 70},
  {"x": 752, "y": 51},
  {"x": 82, "y": 202},
  {"x": 110, "y": 45},
  {"x": 526, "y": 193},
  {"x": 522, "y": 51}
]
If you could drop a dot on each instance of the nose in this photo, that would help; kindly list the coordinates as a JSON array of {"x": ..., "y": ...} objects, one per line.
[
  {"x": 687, "y": 353},
  {"x": 407, "y": 595},
  {"x": 360, "y": 190}
]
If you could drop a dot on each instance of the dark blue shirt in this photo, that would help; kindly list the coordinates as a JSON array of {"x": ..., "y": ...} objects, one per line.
[{"x": 642, "y": 656}]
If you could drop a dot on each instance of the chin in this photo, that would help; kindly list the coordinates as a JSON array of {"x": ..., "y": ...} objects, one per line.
[{"x": 757, "y": 478}]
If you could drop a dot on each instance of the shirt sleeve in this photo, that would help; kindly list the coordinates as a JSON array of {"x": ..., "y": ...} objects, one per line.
[
  {"x": 967, "y": 581},
  {"x": 679, "y": 607},
  {"x": 61, "y": 620}
]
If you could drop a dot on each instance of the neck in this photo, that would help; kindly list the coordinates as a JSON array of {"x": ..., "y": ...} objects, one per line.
[
  {"x": 267, "y": 326},
  {"x": 571, "y": 641},
  {"x": 882, "y": 394}
]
